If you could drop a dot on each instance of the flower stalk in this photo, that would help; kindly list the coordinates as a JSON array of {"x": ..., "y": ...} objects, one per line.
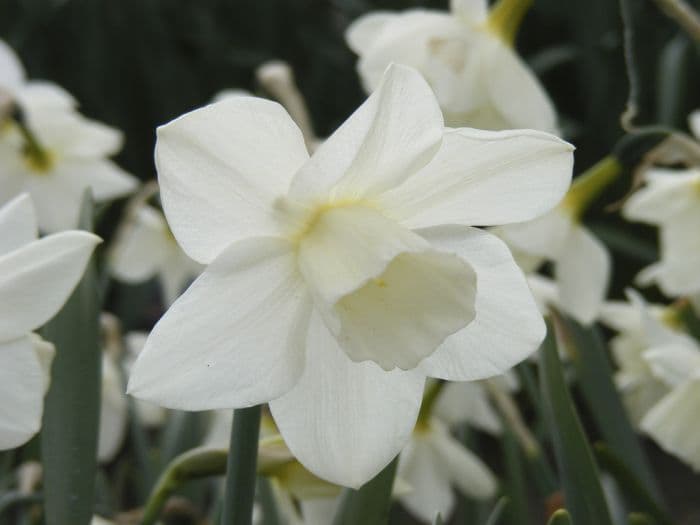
[
  {"x": 587, "y": 186},
  {"x": 241, "y": 467},
  {"x": 505, "y": 18}
]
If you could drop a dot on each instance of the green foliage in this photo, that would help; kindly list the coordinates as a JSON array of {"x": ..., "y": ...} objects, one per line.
[{"x": 369, "y": 505}]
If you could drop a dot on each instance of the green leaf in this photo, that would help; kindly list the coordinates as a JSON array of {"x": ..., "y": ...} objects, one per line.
[
  {"x": 637, "y": 518},
  {"x": 369, "y": 505},
  {"x": 438, "y": 520},
  {"x": 594, "y": 374},
  {"x": 498, "y": 510},
  {"x": 560, "y": 517},
  {"x": 241, "y": 467},
  {"x": 578, "y": 470},
  {"x": 72, "y": 405},
  {"x": 636, "y": 494},
  {"x": 672, "y": 82}
]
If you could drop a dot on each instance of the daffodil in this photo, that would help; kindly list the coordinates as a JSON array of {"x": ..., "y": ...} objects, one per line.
[
  {"x": 336, "y": 283},
  {"x": 466, "y": 56},
  {"x": 149, "y": 415},
  {"x": 434, "y": 461},
  {"x": 671, "y": 200},
  {"x": 36, "y": 278},
  {"x": 145, "y": 248},
  {"x": 52, "y": 152}
]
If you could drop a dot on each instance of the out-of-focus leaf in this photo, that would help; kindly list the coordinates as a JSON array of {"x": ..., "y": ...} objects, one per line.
[
  {"x": 268, "y": 505},
  {"x": 560, "y": 517},
  {"x": 594, "y": 374},
  {"x": 578, "y": 470},
  {"x": 672, "y": 82},
  {"x": 514, "y": 486},
  {"x": 182, "y": 432},
  {"x": 637, "y": 518},
  {"x": 241, "y": 467},
  {"x": 72, "y": 405},
  {"x": 369, "y": 504},
  {"x": 498, "y": 512},
  {"x": 636, "y": 494}
]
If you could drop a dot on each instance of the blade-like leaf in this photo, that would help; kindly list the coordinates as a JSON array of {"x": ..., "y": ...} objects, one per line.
[
  {"x": 369, "y": 504},
  {"x": 578, "y": 470},
  {"x": 498, "y": 512},
  {"x": 72, "y": 406},
  {"x": 594, "y": 374}
]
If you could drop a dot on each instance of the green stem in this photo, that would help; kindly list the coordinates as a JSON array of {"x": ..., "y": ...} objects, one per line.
[
  {"x": 587, "y": 186},
  {"x": 432, "y": 392},
  {"x": 241, "y": 467},
  {"x": 505, "y": 18}
]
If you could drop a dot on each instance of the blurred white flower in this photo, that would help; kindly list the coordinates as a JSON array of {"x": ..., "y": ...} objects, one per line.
[
  {"x": 466, "y": 57},
  {"x": 53, "y": 153},
  {"x": 36, "y": 278},
  {"x": 149, "y": 415},
  {"x": 113, "y": 409},
  {"x": 145, "y": 247},
  {"x": 671, "y": 200},
  {"x": 335, "y": 284},
  {"x": 434, "y": 461}
]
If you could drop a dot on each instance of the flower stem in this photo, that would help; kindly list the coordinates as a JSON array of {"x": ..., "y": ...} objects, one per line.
[
  {"x": 241, "y": 467},
  {"x": 684, "y": 15},
  {"x": 432, "y": 392},
  {"x": 587, "y": 186},
  {"x": 505, "y": 18}
]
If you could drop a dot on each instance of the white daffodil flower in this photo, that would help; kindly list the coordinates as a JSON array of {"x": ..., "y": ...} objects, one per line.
[
  {"x": 640, "y": 327},
  {"x": 54, "y": 153},
  {"x": 432, "y": 462},
  {"x": 335, "y": 284},
  {"x": 149, "y": 415},
  {"x": 673, "y": 422},
  {"x": 581, "y": 261},
  {"x": 145, "y": 248},
  {"x": 36, "y": 278},
  {"x": 671, "y": 200},
  {"x": 465, "y": 56}
]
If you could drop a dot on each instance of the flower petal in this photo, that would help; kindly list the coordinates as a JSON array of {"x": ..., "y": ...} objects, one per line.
[
  {"x": 11, "y": 70},
  {"x": 582, "y": 273},
  {"x": 516, "y": 93},
  {"x": 363, "y": 31},
  {"x": 235, "y": 338},
  {"x": 468, "y": 472},
  {"x": 113, "y": 411},
  {"x": 383, "y": 292},
  {"x": 106, "y": 180},
  {"x": 674, "y": 362},
  {"x": 485, "y": 178},
  {"x": 473, "y": 11},
  {"x": 39, "y": 95},
  {"x": 667, "y": 194},
  {"x": 673, "y": 423},
  {"x": 345, "y": 421},
  {"x": 467, "y": 402},
  {"x": 17, "y": 224},
  {"x": 545, "y": 236},
  {"x": 392, "y": 135},
  {"x": 422, "y": 469},
  {"x": 508, "y": 326},
  {"x": 221, "y": 168},
  {"x": 37, "y": 279},
  {"x": 22, "y": 392}
]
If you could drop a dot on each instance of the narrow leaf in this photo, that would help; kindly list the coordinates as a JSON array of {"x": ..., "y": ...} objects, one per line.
[
  {"x": 72, "y": 405},
  {"x": 578, "y": 471},
  {"x": 369, "y": 504}
]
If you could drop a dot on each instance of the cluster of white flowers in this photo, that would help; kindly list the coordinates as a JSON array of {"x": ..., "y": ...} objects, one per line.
[{"x": 364, "y": 286}]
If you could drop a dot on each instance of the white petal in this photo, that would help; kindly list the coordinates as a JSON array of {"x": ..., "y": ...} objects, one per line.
[
  {"x": 485, "y": 178},
  {"x": 17, "y": 223},
  {"x": 36, "y": 280},
  {"x": 39, "y": 95},
  {"x": 45, "y": 352},
  {"x": 67, "y": 132},
  {"x": 673, "y": 423},
  {"x": 362, "y": 32},
  {"x": 384, "y": 293},
  {"x": 582, "y": 274},
  {"x": 467, "y": 402},
  {"x": 106, "y": 180},
  {"x": 516, "y": 93},
  {"x": 465, "y": 470},
  {"x": 113, "y": 411},
  {"x": 667, "y": 194},
  {"x": 21, "y": 391},
  {"x": 11, "y": 70},
  {"x": 694, "y": 123},
  {"x": 222, "y": 167},
  {"x": 392, "y": 135},
  {"x": 674, "y": 362},
  {"x": 346, "y": 421},
  {"x": 545, "y": 236},
  {"x": 177, "y": 272},
  {"x": 508, "y": 326},
  {"x": 141, "y": 247},
  {"x": 235, "y": 338},
  {"x": 473, "y": 11},
  {"x": 422, "y": 469}
]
